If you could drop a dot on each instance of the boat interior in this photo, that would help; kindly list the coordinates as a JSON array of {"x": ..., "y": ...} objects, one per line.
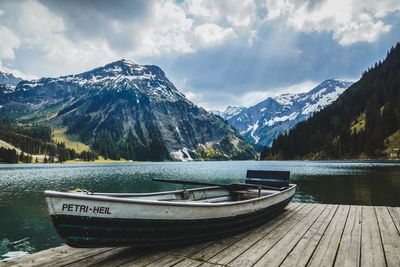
[
  {"x": 206, "y": 195},
  {"x": 259, "y": 183}
]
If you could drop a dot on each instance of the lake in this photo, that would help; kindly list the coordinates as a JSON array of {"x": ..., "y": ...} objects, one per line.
[{"x": 25, "y": 226}]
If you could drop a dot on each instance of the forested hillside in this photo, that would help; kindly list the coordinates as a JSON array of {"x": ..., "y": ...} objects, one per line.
[
  {"x": 33, "y": 140},
  {"x": 364, "y": 122}
]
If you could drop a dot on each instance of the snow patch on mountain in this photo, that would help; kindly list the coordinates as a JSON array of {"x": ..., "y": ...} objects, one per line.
[
  {"x": 263, "y": 122},
  {"x": 119, "y": 76},
  {"x": 229, "y": 112},
  {"x": 275, "y": 120},
  {"x": 9, "y": 78}
]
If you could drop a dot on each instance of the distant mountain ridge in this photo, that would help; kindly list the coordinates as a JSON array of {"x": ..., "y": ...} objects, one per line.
[
  {"x": 9, "y": 78},
  {"x": 8, "y": 83},
  {"x": 229, "y": 112},
  {"x": 364, "y": 122},
  {"x": 262, "y": 123},
  {"x": 127, "y": 110}
]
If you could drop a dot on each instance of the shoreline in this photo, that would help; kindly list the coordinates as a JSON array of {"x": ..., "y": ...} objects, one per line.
[{"x": 101, "y": 161}]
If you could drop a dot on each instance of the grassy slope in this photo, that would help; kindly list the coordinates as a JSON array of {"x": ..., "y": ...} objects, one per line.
[
  {"x": 391, "y": 143},
  {"x": 358, "y": 125},
  {"x": 70, "y": 141}
]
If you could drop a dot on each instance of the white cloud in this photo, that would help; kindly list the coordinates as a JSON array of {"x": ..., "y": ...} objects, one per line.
[
  {"x": 240, "y": 16},
  {"x": 168, "y": 30},
  {"x": 9, "y": 42},
  {"x": 302, "y": 87},
  {"x": 365, "y": 30},
  {"x": 16, "y": 73},
  {"x": 193, "y": 25},
  {"x": 42, "y": 31},
  {"x": 209, "y": 33},
  {"x": 350, "y": 21},
  {"x": 235, "y": 12}
]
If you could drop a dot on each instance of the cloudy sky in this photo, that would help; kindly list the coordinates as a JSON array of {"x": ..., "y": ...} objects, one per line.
[{"x": 219, "y": 53}]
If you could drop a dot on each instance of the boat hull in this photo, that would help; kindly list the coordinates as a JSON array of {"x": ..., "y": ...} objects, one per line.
[{"x": 161, "y": 225}]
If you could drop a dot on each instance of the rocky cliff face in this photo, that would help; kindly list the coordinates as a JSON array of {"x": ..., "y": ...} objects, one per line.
[{"x": 128, "y": 110}]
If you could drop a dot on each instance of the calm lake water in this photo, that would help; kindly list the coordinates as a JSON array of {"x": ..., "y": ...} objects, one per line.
[{"x": 25, "y": 226}]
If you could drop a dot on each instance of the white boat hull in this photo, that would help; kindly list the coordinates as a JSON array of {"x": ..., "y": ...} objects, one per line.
[{"x": 85, "y": 220}]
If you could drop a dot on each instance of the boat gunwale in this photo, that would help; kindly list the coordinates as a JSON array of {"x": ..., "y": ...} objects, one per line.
[
  {"x": 154, "y": 193},
  {"x": 50, "y": 193}
]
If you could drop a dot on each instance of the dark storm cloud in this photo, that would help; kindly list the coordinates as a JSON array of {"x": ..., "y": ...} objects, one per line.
[{"x": 96, "y": 19}]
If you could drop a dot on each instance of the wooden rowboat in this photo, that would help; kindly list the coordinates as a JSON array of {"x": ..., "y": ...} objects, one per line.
[{"x": 85, "y": 219}]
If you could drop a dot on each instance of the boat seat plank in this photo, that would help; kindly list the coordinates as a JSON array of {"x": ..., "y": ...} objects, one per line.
[{"x": 268, "y": 178}]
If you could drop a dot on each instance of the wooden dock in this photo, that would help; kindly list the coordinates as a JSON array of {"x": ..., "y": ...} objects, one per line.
[{"x": 303, "y": 235}]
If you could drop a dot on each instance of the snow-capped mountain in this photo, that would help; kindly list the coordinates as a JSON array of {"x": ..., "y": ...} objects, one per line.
[
  {"x": 8, "y": 83},
  {"x": 229, "y": 112},
  {"x": 9, "y": 78},
  {"x": 128, "y": 110},
  {"x": 263, "y": 122},
  {"x": 117, "y": 76}
]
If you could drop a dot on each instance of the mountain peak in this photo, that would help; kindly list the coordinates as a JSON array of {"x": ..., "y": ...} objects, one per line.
[
  {"x": 261, "y": 123},
  {"x": 122, "y": 66},
  {"x": 9, "y": 78},
  {"x": 229, "y": 112},
  {"x": 125, "y": 62}
]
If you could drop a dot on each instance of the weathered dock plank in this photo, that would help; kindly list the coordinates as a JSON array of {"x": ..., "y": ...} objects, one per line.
[
  {"x": 258, "y": 249},
  {"x": 302, "y": 235},
  {"x": 56, "y": 256},
  {"x": 350, "y": 245},
  {"x": 302, "y": 252},
  {"x": 277, "y": 254},
  {"x": 395, "y": 214},
  {"x": 389, "y": 235},
  {"x": 324, "y": 254},
  {"x": 228, "y": 248},
  {"x": 371, "y": 246},
  {"x": 240, "y": 247}
]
